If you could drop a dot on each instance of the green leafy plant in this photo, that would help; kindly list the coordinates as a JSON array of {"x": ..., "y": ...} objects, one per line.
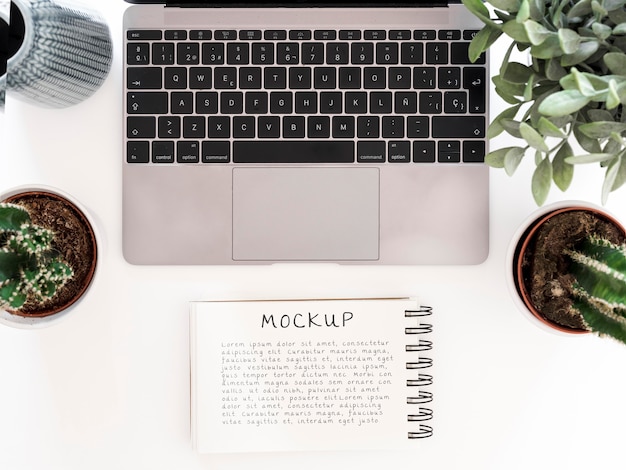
[
  {"x": 599, "y": 268},
  {"x": 574, "y": 89},
  {"x": 30, "y": 268}
]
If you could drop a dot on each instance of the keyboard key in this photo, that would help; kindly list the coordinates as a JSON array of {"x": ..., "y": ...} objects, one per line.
[
  {"x": 393, "y": 127},
  {"x": 275, "y": 35},
  {"x": 163, "y": 151},
  {"x": 424, "y": 151},
  {"x": 318, "y": 127},
  {"x": 386, "y": 53},
  {"x": 169, "y": 127},
  {"x": 375, "y": 77},
  {"x": 200, "y": 78},
  {"x": 231, "y": 102},
  {"x": 400, "y": 35},
  {"x": 337, "y": 53},
  {"x": 144, "y": 35},
  {"x": 411, "y": 53},
  {"x": 430, "y": 102},
  {"x": 325, "y": 78},
  {"x": 206, "y": 102},
  {"x": 256, "y": 102},
  {"x": 450, "y": 34},
  {"x": 300, "y": 35},
  {"x": 147, "y": 78},
  {"x": 449, "y": 77},
  {"x": 362, "y": 53},
  {"x": 250, "y": 78},
  {"x": 474, "y": 80},
  {"x": 368, "y": 127},
  {"x": 399, "y": 78},
  {"x": 417, "y": 127},
  {"x": 375, "y": 35},
  {"x": 459, "y": 54},
  {"x": 371, "y": 152},
  {"x": 141, "y": 127},
  {"x": 268, "y": 127},
  {"x": 200, "y": 35},
  {"x": 176, "y": 34},
  {"x": 449, "y": 151},
  {"x": 313, "y": 53},
  {"x": 194, "y": 127},
  {"x": 250, "y": 35},
  {"x": 147, "y": 102},
  {"x": 244, "y": 127},
  {"x": 424, "y": 77},
  {"x": 306, "y": 102},
  {"x": 225, "y": 35},
  {"x": 405, "y": 102},
  {"x": 356, "y": 102},
  {"x": 293, "y": 127},
  {"x": 275, "y": 78},
  {"x": 163, "y": 53},
  {"x": 225, "y": 78},
  {"x": 176, "y": 78},
  {"x": 299, "y": 78},
  {"x": 325, "y": 151},
  {"x": 349, "y": 78},
  {"x": 237, "y": 53},
  {"x": 212, "y": 53},
  {"x": 349, "y": 35},
  {"x": 458, "y": 126},
  {"x": 263, "y": 53},
  {"x": 281, "y": 102},
  {"x": 425, "y": 34},
  {"x": 138, "y": 151},
  {"x": 454, "y": 102},
  {"x": 343, "y": 127},
  {"x": 436, "y": 53},
  {"x": 331, "y": 102},
  {"x": 474, "y": 151},
  {"x": 187, "y": 151},
  {"x": 287, "y": 53},
  {"x": 399, "y": 151},
  {"x": 182, "y": 102},
  {"x": 215, "y": 151},
  {"x": 188, "y": 53},
  {"x": 219, "y": 127},
  {"x": 325, "y": 35},
  {"x": 138, "y": 53},
  {"x": 381, "y": 102}
]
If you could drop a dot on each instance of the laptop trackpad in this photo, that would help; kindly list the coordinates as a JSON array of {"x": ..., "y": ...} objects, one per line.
[{"x": 302, "y": 214}]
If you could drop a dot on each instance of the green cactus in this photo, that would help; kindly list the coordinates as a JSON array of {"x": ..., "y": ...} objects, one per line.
[
  {"x": 599, "y": 268},
  {"x": 30, "y": 269}
]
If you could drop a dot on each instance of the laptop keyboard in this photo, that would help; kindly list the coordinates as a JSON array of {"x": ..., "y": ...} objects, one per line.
[{"x": 303, "y": 96}]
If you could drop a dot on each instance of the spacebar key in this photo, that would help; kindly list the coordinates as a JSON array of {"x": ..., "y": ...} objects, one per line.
[{"x": 286, "y": 151}]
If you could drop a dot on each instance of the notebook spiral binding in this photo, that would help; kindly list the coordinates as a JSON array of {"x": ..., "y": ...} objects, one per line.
[{"x": 419, "y": 396}]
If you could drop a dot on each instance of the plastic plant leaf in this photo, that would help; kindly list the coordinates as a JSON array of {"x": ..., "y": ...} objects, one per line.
[
  {"x": 512, "y": 159},
  {"x": 564, "y": 102},
  {"x": 569, "y": 40},
  {"x": 563, "y": 172},
  {"x": 533, "y": 137},
  {"x": 541, "y": 181}
]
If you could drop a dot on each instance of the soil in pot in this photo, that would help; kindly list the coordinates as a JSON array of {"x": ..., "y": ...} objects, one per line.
[
  {"x": 74, "y": 239},
  {"x": 545, "y": 266}
]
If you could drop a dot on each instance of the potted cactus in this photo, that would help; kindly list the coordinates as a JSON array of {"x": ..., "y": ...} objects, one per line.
[
  {"x": 599, "y": 269},
  {"x": 567, "y": 267},
  {"x": 48, "y": 256}
]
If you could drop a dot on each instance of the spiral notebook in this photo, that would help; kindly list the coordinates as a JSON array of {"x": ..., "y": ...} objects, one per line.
[{"x": 310, "y": 375}]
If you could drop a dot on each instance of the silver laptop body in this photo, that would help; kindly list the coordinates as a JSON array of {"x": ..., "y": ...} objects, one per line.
[{"x": 227, "y": 161}]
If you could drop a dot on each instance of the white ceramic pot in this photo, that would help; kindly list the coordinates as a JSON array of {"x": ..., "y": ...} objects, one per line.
[
  {"x": 19, "y": 321},
  {"x": 513, "y": 255}
]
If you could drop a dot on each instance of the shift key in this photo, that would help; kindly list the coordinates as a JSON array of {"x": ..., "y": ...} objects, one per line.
[
  {"x": 458, "y": 127},
  {"x": 147, "y": 102}
]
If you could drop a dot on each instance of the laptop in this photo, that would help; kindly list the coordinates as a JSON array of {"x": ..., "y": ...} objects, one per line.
[{"x": 264, "y": 132}]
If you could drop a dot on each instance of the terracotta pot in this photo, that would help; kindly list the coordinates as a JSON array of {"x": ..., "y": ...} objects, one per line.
[
  {"x": 519, "y": 245},
  {"x": 53, "y": 313}
]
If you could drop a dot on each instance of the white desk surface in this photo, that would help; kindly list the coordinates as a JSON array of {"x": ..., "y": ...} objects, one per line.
[{"x": 109, "y": 387}]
